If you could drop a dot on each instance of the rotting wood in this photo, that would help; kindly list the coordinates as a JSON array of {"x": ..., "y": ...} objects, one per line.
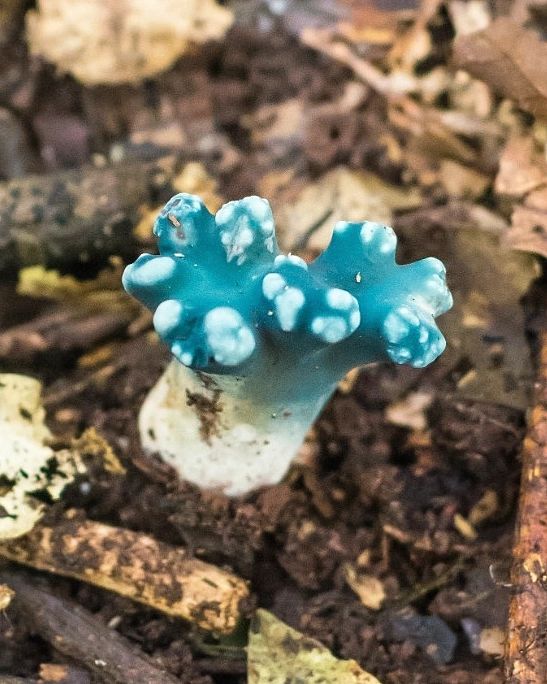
[
  {"x": 526, "y": 646},
  {"x": 75, "y": 633},
  {"x": 134, "y": 565},
  {"x": 78, "y": 219}
]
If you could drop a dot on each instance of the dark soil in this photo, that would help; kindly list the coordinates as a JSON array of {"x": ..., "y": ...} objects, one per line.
[{"x": 369, "y": 494}]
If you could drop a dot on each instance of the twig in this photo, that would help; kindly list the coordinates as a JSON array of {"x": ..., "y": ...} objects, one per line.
[
  {"x": 74, "y": 632},
  {"x": 526, "y": 646},
  {"x": 323, "y": 40},
  {"x": 134, "y": 565},
  {"x": 65, "y": 330}
]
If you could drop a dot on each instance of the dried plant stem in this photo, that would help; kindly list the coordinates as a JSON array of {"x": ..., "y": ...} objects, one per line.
[
  {"x": 134, "y": 565},
  {"x": 526, "y": 647}
]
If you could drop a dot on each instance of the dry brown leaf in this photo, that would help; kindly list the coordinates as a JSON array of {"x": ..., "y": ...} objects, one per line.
[
  {"x": 274, "y": 124},
  {"x": 521, "y": 168},
  {"x": 109, "y": 42},
  {"x": 370, "y": 24},
  {"x": 461, "y": 181},
  {"x": 415, "y": 44},
  {"x": 511, "y": 59},
  {"x": 483, "y": 329},
  {"x": 528, "y": 232}
]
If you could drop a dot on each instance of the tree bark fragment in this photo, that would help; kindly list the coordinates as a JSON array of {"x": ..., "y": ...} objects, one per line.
[
  {"x": 526, "y": 646},
  {"x": 75, "y": 220},
  {"x": 134, "y": 565},
  {"x": 75, "y": 633}
]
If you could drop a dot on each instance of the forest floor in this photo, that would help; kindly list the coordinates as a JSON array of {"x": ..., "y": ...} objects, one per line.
[{"x": 390, "y": 539}]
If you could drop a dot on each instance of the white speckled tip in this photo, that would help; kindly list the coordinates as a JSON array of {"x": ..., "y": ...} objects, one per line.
[{"x": 229, "y": 338}]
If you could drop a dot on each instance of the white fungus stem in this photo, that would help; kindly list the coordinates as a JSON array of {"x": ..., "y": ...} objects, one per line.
[{"x": 219, "y": 433}]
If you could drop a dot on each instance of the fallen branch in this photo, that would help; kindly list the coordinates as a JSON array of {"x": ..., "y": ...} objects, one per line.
[
  {"x": 526, "y": 647},
  {"x": 134, "y": 565},
  {"x": 78, "y": 217},
  {"x": 75, "y": 633}
]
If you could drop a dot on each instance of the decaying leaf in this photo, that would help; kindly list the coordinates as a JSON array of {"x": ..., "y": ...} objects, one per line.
[
  {"x": 275, "y": 124},
  {"x": 37, "y": 281},
  {"x": 31, "y": 473},
  {"x": 11, "y": 11},
  {"x": 522, "y": 179},
  {"x": 487, "y": 345},
  {"x": 511, "y": 59},
  {"x": 528, "y": 231},
  {"x": 195, "y": 180},
  {"x": 91, "y": 443},
  {"x": 110, "y": 42},
  {"x": 341, "y": 194},
  {"x": 521, "y": 168},
  {"x": 278, "y": 654},
  {"x": 369, "y": 24}
]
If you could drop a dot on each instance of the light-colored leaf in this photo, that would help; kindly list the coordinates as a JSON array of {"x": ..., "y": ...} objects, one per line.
[
  {"x": 492, "y": 641},
  {"x": 6, "y": 596},
  {"x": 30, "y": 471},
  {"x": 410, "y": 411},
  {"x": 368, "y": 588},
  {"x": 109, "y": 42},
  {"x": 278, "y": 654}
]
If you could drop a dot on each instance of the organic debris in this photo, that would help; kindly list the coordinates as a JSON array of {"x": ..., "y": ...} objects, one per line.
[
  {"x": 136, "y": 566},
  {"x": 404, "y": 497},
  {"x": 512, "y": 60},
  {"x": 6, "y": 596},
  {"x": 31, "y": 473},
  {"x": 111, "y": 42},
  {"x": 278, "y": 654}
]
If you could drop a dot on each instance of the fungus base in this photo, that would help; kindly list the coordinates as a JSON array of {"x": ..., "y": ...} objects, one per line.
[{"x": 219, "y": 433}]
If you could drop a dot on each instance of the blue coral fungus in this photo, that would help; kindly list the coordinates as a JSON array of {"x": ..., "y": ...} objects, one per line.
[{"x": 261, "y": 339}]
